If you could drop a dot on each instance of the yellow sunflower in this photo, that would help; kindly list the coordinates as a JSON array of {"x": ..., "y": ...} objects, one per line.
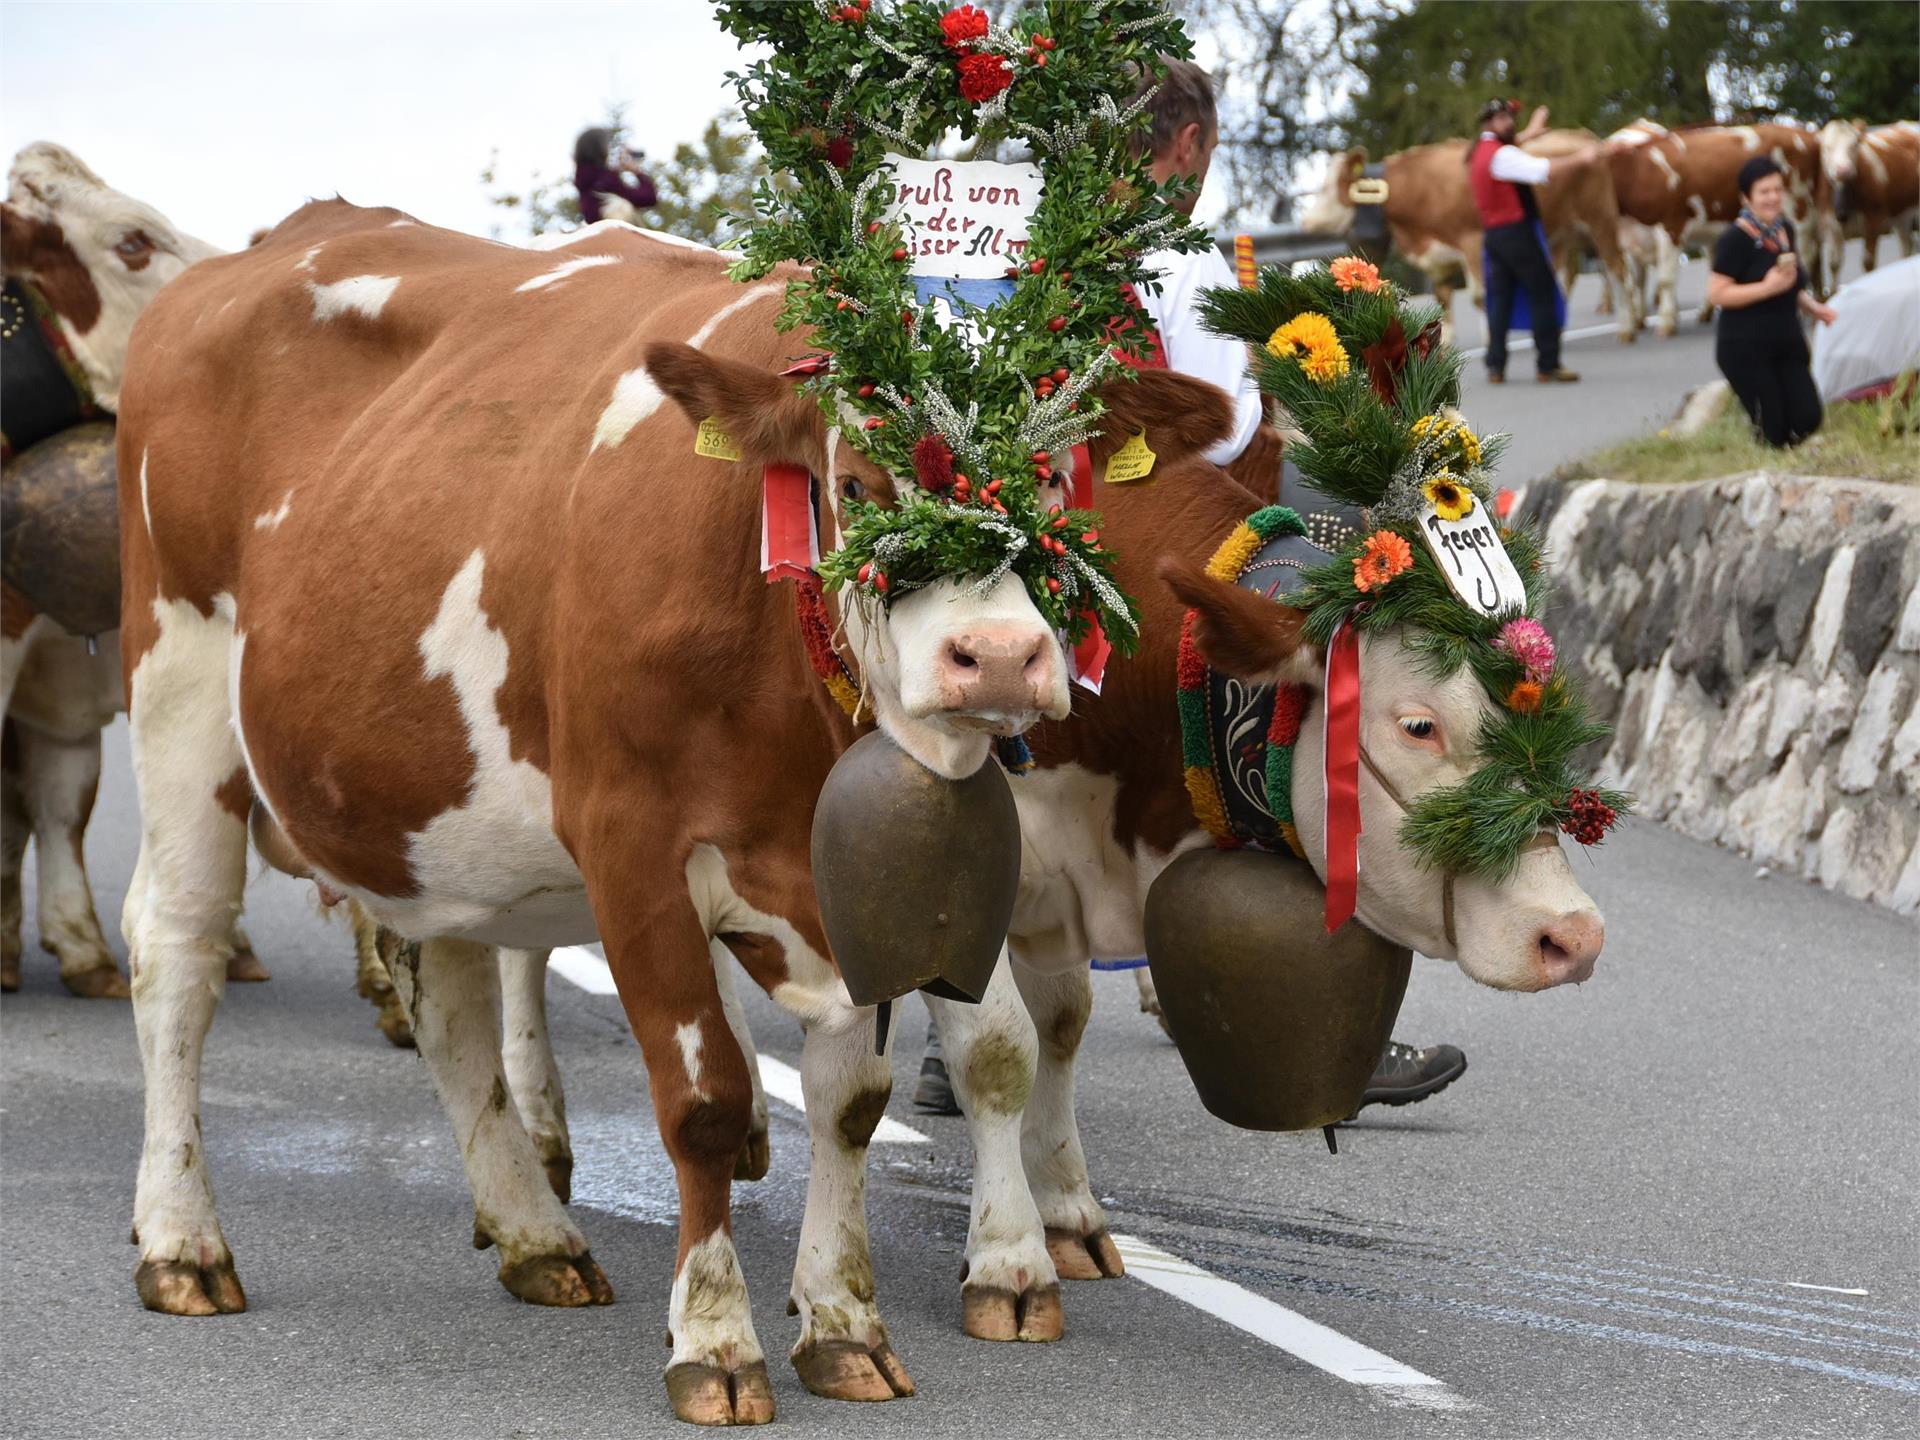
[
  {"x": 1310, "y": 338},
  {"x": 1451, "y": 500}
]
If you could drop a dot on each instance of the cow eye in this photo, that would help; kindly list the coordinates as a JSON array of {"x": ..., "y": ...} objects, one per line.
[
  {"x": 851, "y": 488},
  {"x": 132, "y": 244},
  {"x": 1421, "y": 728}
]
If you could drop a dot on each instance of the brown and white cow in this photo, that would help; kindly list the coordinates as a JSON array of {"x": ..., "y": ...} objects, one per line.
[
  {"x": 417, "y": 554},
  {"x": 97, "y": 257},
  {"x": 1431, "y": 214},
  {"x": 1874, "y": 177},
  {"x": 1684, "y": 184}
]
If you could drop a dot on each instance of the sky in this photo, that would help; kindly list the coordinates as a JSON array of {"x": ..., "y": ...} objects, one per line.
[{"x": 226, "y": 117}]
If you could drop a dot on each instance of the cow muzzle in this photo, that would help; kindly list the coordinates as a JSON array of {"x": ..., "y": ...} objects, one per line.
[
  {"x": 1566, "y": 948},
  {"x": 999, "y": 678}
]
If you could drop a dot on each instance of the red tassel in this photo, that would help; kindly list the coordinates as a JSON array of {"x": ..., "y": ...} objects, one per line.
[
  {"x": 1343, "y": 776},
  {"x": 933, "y": 464}
]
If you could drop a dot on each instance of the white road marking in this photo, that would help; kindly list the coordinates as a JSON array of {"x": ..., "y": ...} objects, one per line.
[
  {"x": 1289, "y": 1330},
  {"x": 1525, "y": 342},
  {"x": 1383, "y": 1377},
  {"x": 582, "y": 967},
  {"x": 1828, "y": 1289}
]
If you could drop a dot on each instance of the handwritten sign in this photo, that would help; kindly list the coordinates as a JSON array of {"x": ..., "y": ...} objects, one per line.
[
  {"x": 965, "y": 223},
  {"x": 1474, "y": 561}
]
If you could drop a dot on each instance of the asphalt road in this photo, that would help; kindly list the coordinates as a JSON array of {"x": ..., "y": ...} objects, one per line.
[{"x": 1677, "y": 1201}]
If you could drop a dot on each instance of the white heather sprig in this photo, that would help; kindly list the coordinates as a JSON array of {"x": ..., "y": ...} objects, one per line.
[
  {"x": 1109, "y": 597},
  {"x": 1052, "y": 423},
  {"x": 1016, "y": 542}
]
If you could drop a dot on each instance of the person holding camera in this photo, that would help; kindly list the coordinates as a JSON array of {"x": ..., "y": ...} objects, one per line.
[
  {"x": 610, "y": 181},
  {"x": 1760, "y": 288}
]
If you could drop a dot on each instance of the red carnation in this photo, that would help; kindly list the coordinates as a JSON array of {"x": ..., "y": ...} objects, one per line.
[
  {"x": 840, "y": 151},
  {"x": 963, "y": 24},
  {"x": 983, "y": 76},
  {"x": 933, "y": 464}
]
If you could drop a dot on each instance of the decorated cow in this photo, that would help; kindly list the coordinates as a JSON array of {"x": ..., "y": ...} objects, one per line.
[
  {"x": 81, "y": 261},
  {"x": 381, "y": 508},
  {"x": 1873, "y": 175}
]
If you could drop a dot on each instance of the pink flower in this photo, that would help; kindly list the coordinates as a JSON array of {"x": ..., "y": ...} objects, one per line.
[{"x": 1528, "y": 642}]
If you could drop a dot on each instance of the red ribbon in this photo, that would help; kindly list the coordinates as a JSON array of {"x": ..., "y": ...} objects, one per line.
[
  {"x": 789, "y": 538},
  {"x": 1343, "y": 776},
  {"x": 1090, "y": 655}
]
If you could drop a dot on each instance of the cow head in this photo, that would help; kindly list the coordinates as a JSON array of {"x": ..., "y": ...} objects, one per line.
[
  {"x": 96, "y": 255},
  {"x": 1840, "y": 159},
  {"x": 1330, "y": 212},
  {"x": 1535, "y": 929}
]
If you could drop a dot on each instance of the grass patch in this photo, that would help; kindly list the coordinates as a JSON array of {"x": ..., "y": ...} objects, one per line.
[{"x": 1849, "y": 444}]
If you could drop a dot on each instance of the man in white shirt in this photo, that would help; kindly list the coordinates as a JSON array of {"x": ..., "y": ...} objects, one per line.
[{"x": 1519, "y": 270}]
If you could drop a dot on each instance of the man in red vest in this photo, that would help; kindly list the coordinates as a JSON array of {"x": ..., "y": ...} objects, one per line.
[{"x": 1521, "y": 289}]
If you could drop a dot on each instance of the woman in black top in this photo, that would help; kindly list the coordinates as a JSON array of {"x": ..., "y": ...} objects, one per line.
[{"x": 1761, "y": 291}]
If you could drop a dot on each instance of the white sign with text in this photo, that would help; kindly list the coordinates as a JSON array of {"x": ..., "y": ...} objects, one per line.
[
  {"x": 1474, "y": 561},
  {"x": 965, "y": 223}
]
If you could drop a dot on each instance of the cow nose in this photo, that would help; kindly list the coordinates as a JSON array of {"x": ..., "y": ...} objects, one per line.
[
  {"x": 998, "y": 668},
  {"x": 1569, "y": 945}
]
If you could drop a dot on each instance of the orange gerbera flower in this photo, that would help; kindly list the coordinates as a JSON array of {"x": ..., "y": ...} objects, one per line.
[
  {"x": 1350, "y": 272},
  {"x": 1385, "y": 556}
]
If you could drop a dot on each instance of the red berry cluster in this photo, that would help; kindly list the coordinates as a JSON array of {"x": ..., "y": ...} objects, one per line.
[
  {"x": 854, "y": 14},
  {"x": 1588, "y": 817}
]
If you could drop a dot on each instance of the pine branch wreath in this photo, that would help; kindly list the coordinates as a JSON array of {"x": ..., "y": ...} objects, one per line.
[{"x": 847, "y": 86}]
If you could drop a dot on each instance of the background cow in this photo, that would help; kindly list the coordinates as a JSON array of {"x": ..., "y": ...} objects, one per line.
[
  {"x": 96, "y": 257},
  {"x": 1434, "y": 225},
  {"x": 454, "y": 696},
  {"x": 1684, "y": 185},
  {"x": 1873, "y": 175}
]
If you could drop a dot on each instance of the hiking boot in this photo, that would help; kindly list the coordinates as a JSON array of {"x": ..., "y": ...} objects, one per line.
[
  {"x": 1496, "y": 377},
  {"x": 1405, "y": 1074},
  {"x": 1560, "y": 376},
  {"x": 934, "y": 1093}
]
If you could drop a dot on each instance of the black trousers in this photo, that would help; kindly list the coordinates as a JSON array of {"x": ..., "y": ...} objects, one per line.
[
  {"x": 1774, "y": 381},
  {"x": 1515, "y": 261}
]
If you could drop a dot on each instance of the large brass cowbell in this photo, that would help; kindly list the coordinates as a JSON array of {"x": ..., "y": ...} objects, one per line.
[
  {"x": 916, "y": 874},
  {"x": 60, "y": 528},
  {"x": 1280, "y": 1024}
]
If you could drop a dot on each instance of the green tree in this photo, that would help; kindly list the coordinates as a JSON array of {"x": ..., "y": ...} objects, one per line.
[{"x": 1841, "y": 58}]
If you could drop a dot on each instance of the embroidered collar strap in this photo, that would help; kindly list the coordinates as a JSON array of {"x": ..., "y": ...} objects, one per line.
[
  {"x": 1237, "y": 739},
  {"x": 43, "y": 390}
]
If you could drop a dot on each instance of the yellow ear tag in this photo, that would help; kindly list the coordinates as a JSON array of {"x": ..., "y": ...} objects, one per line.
[
  {"x": 715, "y": 443},
  {"x": 1132, "y": 461}
]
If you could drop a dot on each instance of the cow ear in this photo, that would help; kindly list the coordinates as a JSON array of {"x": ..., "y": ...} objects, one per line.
[
  {"x": 1181, "y": 416},
  {"x": 769, "y": 419},
  {"x": 1239, "y": 632}
]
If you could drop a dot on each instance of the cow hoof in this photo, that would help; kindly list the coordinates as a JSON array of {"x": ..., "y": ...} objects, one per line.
[
  {"x": 97, "y": 982},
  {"x": 174, "y": 1288},
  {"x": 1666, "y": 331},
  {"x": 1084, "y": 1257},
  {"x": 9, "y": 974},
  {"x": 1628, "y": 337},
  {"x": 755, "y": 1156},
  {"x": 560, "y": 1280},
  {"x": 709, "y": 1395},
  {"x": 559, "y": 1170},
  {"x": 245, "y": 966},
  {"x": 995, "y": 1314},
  {"x": 394, "y": 1024},
  {"x": 848, "y": 1370}
]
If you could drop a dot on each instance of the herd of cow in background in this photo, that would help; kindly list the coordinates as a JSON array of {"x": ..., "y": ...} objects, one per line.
[{"x": 1662, "y": 191}]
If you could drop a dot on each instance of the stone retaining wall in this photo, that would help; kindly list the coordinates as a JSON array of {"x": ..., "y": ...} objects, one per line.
[{"x": 1755, "y": 642}]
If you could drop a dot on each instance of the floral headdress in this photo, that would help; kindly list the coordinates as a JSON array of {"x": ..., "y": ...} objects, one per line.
[
  {"x": 979, "y": 413},
  {"x": 1362, "y": 373}
]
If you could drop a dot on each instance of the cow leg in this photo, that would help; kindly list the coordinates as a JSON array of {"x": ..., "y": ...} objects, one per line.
[
  {"x": 532, "y": 1075},
  {"x": 451, "y": 988},
  {"x": 1009, "y": 1290},
  {"x": 371, "y": 946},
  {"x": 1614, "y": 279},
  {"x": 14, "y": 829},
  {"x": 58, "y": 782},
  {"x": 1056, "y": 1166},
  {"x": 842, "y": 1352},
  {"x": 1666, "y": 284},
  {"x": 756, "y": 1155},
  {"x": 179, "y": 915},
  {"x": 661, "y": 959}
]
